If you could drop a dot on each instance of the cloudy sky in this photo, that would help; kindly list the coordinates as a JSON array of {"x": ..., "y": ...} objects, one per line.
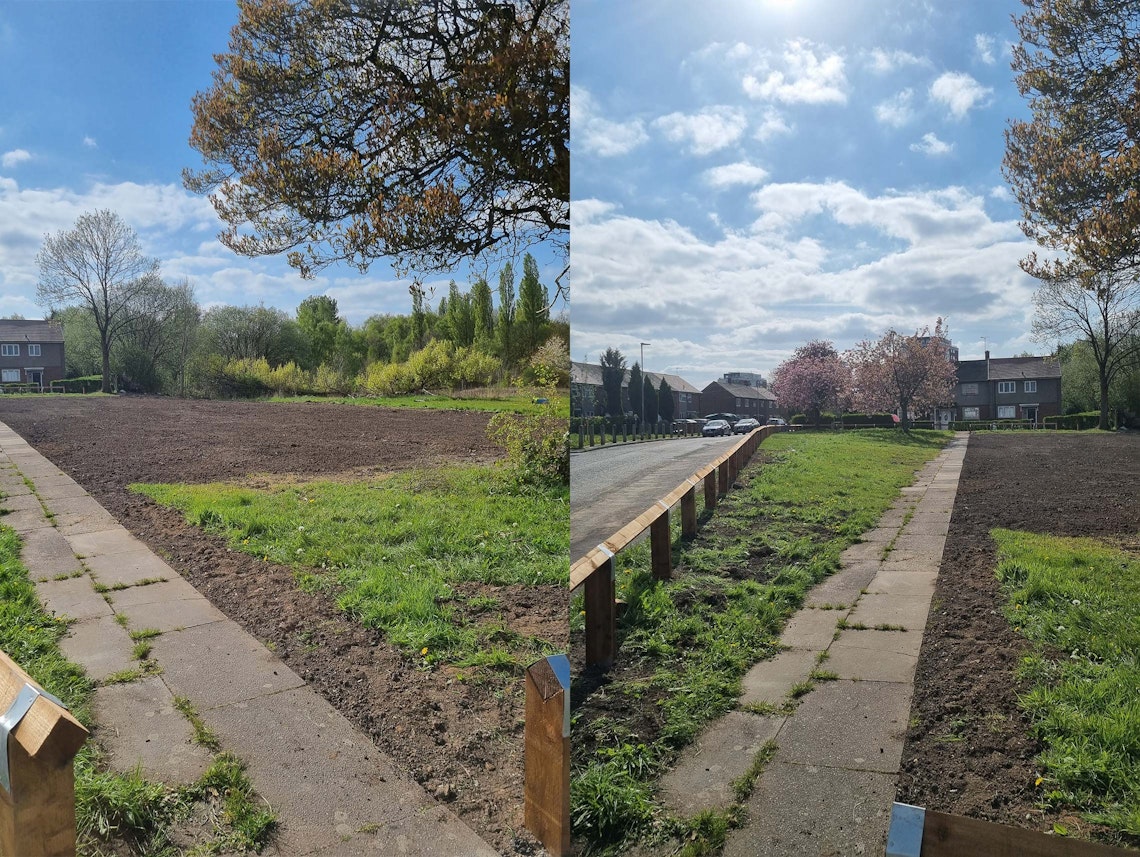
[
  {"x": 749, "y": 175},
  {"x": 95, "y": 113}
]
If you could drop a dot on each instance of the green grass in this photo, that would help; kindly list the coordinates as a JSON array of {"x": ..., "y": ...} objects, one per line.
[
  {"x": 513, "y": 403},
  {"x": 393, "y": 551},
  {"x": 686, "y": 643},
  {"x": 1078, "y": 603},
  {"x": 124, "y": 809}
]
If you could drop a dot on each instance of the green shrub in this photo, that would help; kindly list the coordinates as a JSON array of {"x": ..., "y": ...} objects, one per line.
[
  {"x": 536, "y": 445},
  {"x": 431, "y": 366}
]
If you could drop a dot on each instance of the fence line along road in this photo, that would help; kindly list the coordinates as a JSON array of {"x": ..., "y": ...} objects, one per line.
[{"x": 596, "y": 570}]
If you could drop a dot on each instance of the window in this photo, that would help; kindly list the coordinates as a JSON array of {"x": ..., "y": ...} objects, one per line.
[
  {"x": 1007, "y": 412},
  {"x": 1007, "y": 386},
  {"x": 7, "y": 375},
  {"x": 33, "y": 351},
  {"x": 9, "y": 350},
  {"x": 969, "y": 413},
  {"x": 969, "y": 389},
  {"x": 1031, "y": 386}
]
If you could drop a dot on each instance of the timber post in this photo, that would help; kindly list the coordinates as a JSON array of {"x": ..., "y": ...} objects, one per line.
[{"x": 546, "y": 810}]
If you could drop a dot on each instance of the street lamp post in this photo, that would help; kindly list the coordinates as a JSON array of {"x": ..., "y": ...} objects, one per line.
[{"x": 642, "y": 415}]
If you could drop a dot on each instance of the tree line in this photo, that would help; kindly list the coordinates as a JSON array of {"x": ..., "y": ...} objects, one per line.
[
  {"x": 122, "y": 321},
  {"x": 647, "y": 403}
]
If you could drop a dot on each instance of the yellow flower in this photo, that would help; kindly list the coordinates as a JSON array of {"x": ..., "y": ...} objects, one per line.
[
  {"x": 424, "y": 650},
  {"x": 1038, "y": 781}
]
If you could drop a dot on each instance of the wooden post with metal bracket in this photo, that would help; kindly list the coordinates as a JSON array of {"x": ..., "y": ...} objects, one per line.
[
  {"x": 546, "y": 809},
  {"x": 38, "y": 742}
]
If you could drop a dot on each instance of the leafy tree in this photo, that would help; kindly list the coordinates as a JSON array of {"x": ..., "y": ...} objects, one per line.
[
  {"x": 1075, "y": 165},
  {"x": 82, "y": 353},
  {"x": 428, "y": 131},
  {"x": 505, "y": 325},
  {"x": 483, "y": 312},
  {"x": 906, "y": 373},
  {"x": 550, "y": 362},
  {"x": 1103, "y": 311},
  {"x": 635, "y": 388},
  {"x": 812, "y": 380},
  {"x": 613, "y": 373},
  {"x": 650, "y": 400},
  {"x": 319, "y": 324},
  {"x": 251, "y": 333},
  {"x": 155, "y": 344},
  {"x": 99, "y": 265},
  {"x": 459, "y": 319},
  {"x": 533, "y": 309},
  {"x": 419, "y": 318},
  {"x": 665, "y": 401}
]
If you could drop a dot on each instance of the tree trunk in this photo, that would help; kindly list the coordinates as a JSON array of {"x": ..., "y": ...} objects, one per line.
[
  {"x": 106, "y": 349},
  {"x": 1103, "y": 401}
]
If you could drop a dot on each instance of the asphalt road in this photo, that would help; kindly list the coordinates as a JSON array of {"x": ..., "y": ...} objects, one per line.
[{"x": 612, "y": 485}]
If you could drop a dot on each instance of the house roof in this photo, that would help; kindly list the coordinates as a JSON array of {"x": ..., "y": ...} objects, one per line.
[
  {"x": 591, "y": 373},
  {"x": 1016, "y": 368},
  {"x": 30, "y": 330},
  {"x": 743, "y": 391},
  {"x": 971, "y": 371}
]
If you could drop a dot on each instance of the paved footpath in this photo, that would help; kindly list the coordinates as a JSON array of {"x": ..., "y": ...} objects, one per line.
[
  {"x": 829, "y": 787},
  {"x": 334, "y": 792}
]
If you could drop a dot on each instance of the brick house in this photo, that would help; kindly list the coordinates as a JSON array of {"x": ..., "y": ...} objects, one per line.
[
  {"x": 743, "y": 399},
  {"x": 588, "y": 395},
  {"x": 31, "y": 352},
  {"x": 1008, "y": 388}
]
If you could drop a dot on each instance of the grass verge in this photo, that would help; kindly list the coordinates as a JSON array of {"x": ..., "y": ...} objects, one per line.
[
  {"x": 686, "y": 643},
  {"x": 395, "y": 551},
  {"x": 493, "y": 402},
  {"x": 1078, "y": 603},
  {"x": 115, "y": 813}
]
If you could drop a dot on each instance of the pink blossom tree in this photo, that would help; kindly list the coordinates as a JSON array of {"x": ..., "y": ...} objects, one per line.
[
  {"x": 812, "y": 379},
  {"x": 912, "y": 374}
]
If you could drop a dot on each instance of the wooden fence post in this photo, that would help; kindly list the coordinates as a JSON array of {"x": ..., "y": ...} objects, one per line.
[
  {"x": 722, "y": 477},
  {"x": 689, "y": 513},
  {"x": 601, "y": 616},
  {"x": 546, "y": 805},
  {"x": 39, "y": 739},
  {"x": 661, "y": 546},
  {"x": 710, "y": 490}
]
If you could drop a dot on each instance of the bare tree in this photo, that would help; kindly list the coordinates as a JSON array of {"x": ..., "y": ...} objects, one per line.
[
  {"x": 1100, "y": 308},
  {"x": 100, "y": 266}
]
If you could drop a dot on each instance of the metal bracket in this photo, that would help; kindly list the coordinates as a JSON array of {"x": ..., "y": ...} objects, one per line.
[
  {"x": 560, "y": 664},
  {"x": 904, "y": 839},
  {"x": 20, "y": 706}
]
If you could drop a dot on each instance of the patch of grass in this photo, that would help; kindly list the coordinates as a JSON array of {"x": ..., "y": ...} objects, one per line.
[
  {"x": 141, "y": 650},
  {"x": 251, "y": 822},
  {"x": 145, "y": 634},
  {"x": 801, "y": 689},
  {"x": 203, "y": 735},
  {"x": 743, "y": 785},
  {"x": 1078, "y": 603},
  {"x": 393, "y": 550},
  {"x": 845, "y": 625},
  {"x": 123, "y": 676},
  {"x": 887, "y": 626},
  {"x": 687, "y": 642},
  {"x": 823, "y": 675}
]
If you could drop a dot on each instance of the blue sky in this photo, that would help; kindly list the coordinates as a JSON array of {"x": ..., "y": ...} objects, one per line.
[
  {"x": 749, "y": 175},
  {"x": 95, "y": 113}
]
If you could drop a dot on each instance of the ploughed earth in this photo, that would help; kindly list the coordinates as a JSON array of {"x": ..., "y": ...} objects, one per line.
[
  {"x": 969, "y": 750},
  {"x": 462, "y": 740}
]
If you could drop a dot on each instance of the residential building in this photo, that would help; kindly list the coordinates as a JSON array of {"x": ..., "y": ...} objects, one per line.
[
  {"x": 31, "y": 352},
  {"x": 588, "y": 394},
  {"x": 743, "y": 399},
  {"x": 1008, "y": 388},
  {"x": 751, "y": 379}
]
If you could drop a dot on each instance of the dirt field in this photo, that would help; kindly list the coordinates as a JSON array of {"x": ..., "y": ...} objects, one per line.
[
  {"x": 458, "y": 739},
  {"x": 1062, "y": 484}
]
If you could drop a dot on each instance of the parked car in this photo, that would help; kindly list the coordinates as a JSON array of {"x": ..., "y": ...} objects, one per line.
[
  {"x": 717, "y": 428},
  {"x": 776, "y": 421},
  {"x": 731, "y": 419},
  {"x": 745, "y": 425}
]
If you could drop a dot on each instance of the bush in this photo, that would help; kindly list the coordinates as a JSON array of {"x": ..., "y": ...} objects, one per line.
[
  {"x": 288, "y": 380},
  {"x": 536, "y": 445},
  {"x": 474, "y": 368},
  {"x": 1079, "y": 422},
  {"x": 387, "y": 379},
  {"x": 432, "y": 365},
  {"x": 877, "y": 420}
]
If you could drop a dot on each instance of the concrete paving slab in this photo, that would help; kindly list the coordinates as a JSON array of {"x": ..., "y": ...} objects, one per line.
[
  {"x": 843, "y": 587},
  {"x": 889, "y": 582},
  {"x": 26, "y": 520},
  {"x": 127, "y": 567},
  {"x": 21, "y": 502},
  {"x": 72, "y": 597},
  {"x": 861, "y": 664},
  {"x": 770, "y": 681},
  {"x": 862, "y": 552},
  {"x": 100, "y": 645},
  {"x": 169, "y": 615},
  {"x": 850, "y": 724},
  {"x": 80, "y": 515},
  {"x": 871, "y": 641},
  {"x": 925, "y": 548},
  {"x": 879, "y": 536},
  {"x": 928, "y": 525},
  {"x": 105, "y": 542},
  {"x": 154, "y": 736},
  {"x": 910, "y": 611},
  {"x": 703, "y": 778},
  {"x": 57, "y": 487},
  {"x": 46, "y": 553},
  {"x": 219, "y": 664},
  {"x": 327, "y": 781},
  {"x": 811, "y": 629},
  {"x": 13, "y": 485},
  {"x": 173, "y": 589},
  {"x": 812, "y": 811}
]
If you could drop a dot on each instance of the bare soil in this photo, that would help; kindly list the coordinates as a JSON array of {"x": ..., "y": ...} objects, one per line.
[
  {"x": 461, "y": 740},
  {"x": 969, "y": 750}
]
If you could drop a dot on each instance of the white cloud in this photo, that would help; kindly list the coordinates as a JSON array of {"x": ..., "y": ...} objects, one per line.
[
  {"x": 596, "y": 135},
  {"x": 740, "y": 173},
  {"x": 711, "y": 129},
  {"x": 1000, "y": 192},
  {"x": 959, "y": 92},
  {"x": 90, "y": 143},
  {"x": 15, "y": 158},
  {"x": 802, "y": 74},
  {"x": 896, "y": 111},
  {"x": 882, "y": 61},
  {"x": 772, "y": 124},
  {"x": 984, "y": 47},
  {"x": 931, "y": 145}
]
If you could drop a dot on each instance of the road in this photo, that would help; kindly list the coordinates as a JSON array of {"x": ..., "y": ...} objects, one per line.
[{"x": 612, "y": 485}]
